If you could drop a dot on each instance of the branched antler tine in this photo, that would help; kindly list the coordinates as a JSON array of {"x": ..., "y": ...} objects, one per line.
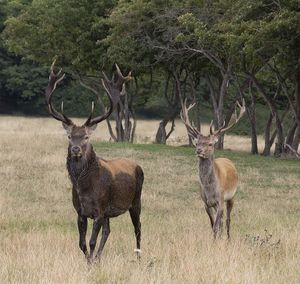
[
  {"x": 105, "y": 77},
  {"x": 235, "y": 118},
  {"x": 128, "y": 77},
  {"x": 106, "y": 88},
  {"x": 211, "y": 128},
  {"x": 90, "y": 116},
  {"x": 59, "y": 79},
  {"x": 119, "y": 71},
  {"x": 120, "y": 79},
  {"x": 54, "y": 79},
  {"x": 113, "y": 99},
  {"x": 123, "y": 92},
  {"x": 185, "y": 118},
  {"x": 58, "y": 73},
  {"x": 114, "y": 89},
  {"x": 52, "y": 66}
]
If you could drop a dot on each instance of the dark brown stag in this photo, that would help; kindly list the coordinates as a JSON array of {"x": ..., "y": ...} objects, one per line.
[{"x": 102, "y": 189}]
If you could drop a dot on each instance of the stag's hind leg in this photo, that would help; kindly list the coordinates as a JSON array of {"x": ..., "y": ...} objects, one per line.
[
  {"x": 229, "y": 205},
  {"x": 135, "y": 218},
  {"x": 135, "y": 210}
]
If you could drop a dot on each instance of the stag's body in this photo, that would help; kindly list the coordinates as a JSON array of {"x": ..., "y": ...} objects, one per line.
[
  {"x": 104, "y": 189},
  {"x": 101, "y": 189},
  {"x": 218, "y": 180},
  {"x": 218, "y": 177}
]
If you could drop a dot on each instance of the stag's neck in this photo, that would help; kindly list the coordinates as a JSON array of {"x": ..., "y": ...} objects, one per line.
[
  {"x": 81, "y": 170},
  {"x": 207, "y": 174}
]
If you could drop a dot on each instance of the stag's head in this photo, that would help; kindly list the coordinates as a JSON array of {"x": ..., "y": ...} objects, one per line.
[
  {"x": 79, "y": 136},
  {"x": 205, "y": 145}
]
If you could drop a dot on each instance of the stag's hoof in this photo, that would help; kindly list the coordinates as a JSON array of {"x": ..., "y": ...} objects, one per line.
[
  {"x": 89, "y": 260},
  {"x": 138, "y": 253}
]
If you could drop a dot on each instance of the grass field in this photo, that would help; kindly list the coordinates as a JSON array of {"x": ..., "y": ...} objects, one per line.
[{"x": 38, "y": 232}]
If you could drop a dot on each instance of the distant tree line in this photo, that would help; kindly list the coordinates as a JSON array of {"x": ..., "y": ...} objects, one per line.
[{"x": 209, "y": 52}]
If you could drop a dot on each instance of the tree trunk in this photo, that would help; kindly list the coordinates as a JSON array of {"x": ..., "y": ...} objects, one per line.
[
  {"x": 223, "y": 93},
  {"x": 162, "y": 136},
  {"x": 254, "y": 148},
  {"x": 290, "y": 136},
  {"x": 172, "y": 100},
  {"x": 267, "y": 148},
  {"x": 296, "y": 141},
  {"x": 123, "y": 114},
  {"x": 293, "y": 137},
  {"x": 251, "y": 111},
  {"x": 125, "y": 120},
  {"x": 279, "y": 145},
  {"x": 218, "y": 103},
  {"x": 279, "y": 128}
]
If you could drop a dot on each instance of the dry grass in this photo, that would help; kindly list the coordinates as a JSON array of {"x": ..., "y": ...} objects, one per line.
[
  {"x": 39, "y": 241},
  {"x": 145, "y": 132}
]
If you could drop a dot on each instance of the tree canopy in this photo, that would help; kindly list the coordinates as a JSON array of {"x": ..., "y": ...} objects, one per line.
[{"x": 213, "y": 52}]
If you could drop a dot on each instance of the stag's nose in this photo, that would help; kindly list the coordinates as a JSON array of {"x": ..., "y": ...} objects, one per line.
[
  {"x": 200, "y": 153},
  {"x": 75, "y": 150}
]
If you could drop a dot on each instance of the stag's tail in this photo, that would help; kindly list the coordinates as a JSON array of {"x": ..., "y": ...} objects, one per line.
[{"x": 139, "y": 182}]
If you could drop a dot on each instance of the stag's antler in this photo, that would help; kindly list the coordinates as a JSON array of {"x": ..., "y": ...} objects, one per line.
[
  {"x": 233, "y": 120},
  {"x": 184, "y": 114},
  {"x": 54, "y": 79},
  {"x": 114, "y": 89}
]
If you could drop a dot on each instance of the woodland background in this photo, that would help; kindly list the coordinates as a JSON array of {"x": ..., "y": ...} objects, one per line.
[{"x": 211, "y": 52}]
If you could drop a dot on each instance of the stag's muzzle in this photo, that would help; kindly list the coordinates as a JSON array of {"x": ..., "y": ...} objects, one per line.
[{"x": 76, "y": 151}]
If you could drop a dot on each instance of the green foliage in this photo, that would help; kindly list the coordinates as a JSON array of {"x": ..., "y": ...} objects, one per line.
[
  {"x": 66, "y": 29},
  {"x": 151, "y": 38},
  {"x": 25, "y": 81}
]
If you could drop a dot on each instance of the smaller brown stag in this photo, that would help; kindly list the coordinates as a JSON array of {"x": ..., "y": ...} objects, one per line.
[
  {"x": 102, "y": 189},
  {"x": 218, "y": 177}
]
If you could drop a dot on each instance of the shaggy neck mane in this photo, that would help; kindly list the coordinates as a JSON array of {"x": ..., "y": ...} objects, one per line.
[
  {"x": 207, "y": 173},
  {"x": 81, "y": 169}
]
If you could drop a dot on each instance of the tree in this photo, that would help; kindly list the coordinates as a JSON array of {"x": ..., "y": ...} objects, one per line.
[
  {"x": 67, "y": 29},
  {"x": 238, "y": 35}
]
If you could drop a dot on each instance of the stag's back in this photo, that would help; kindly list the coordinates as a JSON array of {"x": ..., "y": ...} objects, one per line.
[
  {"x": 126, "y": 176},
  {"x": 227, "y": 177}
]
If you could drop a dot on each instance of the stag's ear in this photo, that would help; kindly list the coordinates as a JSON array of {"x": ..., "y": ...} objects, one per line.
[
  {"x": 68, "y": 128},
  {"x": 90, "y": 129}
]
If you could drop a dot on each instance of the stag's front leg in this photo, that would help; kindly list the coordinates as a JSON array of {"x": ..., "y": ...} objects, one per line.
[
  {"x": 93, "y": 240},
  {"x": 210, "y": 213},
  {"x": 105, "y": 234},
  {"x": 217, "y": 228},
  {"x": 82, "y": 227}
]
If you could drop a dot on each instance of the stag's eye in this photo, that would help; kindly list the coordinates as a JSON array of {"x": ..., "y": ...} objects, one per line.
[
  {"x": 86, "y": 137},
  {"x": 69, "y": 137},
  {"x": 210, "y": 144}
]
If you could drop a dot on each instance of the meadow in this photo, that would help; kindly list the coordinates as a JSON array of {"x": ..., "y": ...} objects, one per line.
[{"x": 38, "y": 231}]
